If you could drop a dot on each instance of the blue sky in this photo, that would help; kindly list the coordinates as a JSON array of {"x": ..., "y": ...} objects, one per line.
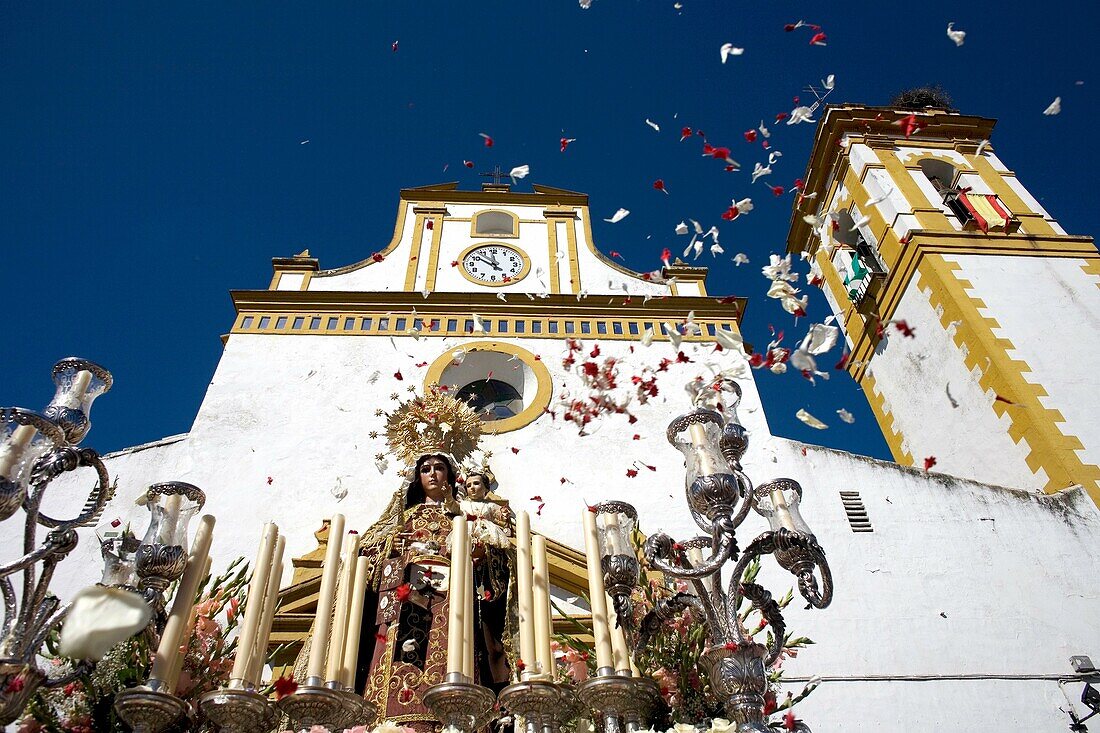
[{"x": 152, "y": 153}]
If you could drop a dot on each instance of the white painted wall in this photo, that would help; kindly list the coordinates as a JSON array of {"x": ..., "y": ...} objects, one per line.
[
  {"x": 1049, "y": 308},
  {"x": 915, "y": 374},
  {"x": 596, "y": 275}
]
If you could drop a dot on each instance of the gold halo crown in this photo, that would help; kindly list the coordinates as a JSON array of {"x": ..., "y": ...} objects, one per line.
[{"x": 433, "y": 423}]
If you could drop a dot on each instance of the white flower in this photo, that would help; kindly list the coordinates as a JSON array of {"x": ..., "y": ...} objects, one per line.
[
  {"x": 779, "y": 269},
  {"x": 795, "y": 306},
  {"x": 388, "y": 726},
  {"x": 800, "y": 114},
  {"x": 721, "y": 725},
  {"x": 781, "y": 289},
  {"x": 682, "y": 728},
  {"x": 99, "y": 618}
]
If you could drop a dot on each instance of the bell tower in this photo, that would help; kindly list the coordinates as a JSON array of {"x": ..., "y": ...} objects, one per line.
[{"x": 971, "y": 316}]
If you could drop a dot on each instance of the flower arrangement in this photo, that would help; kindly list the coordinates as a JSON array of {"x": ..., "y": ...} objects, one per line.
[
  {"x": 86, "y": 705},
  {"x": 672, "y": 657}
]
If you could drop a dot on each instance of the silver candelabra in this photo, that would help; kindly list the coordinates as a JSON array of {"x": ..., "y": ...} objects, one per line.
[
  {"x": 719, "y": 497},
  {"x": 36, "y": 448}
]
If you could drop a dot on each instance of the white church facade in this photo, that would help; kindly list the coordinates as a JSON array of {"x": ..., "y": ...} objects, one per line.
[{"x": 960, "y": 596}]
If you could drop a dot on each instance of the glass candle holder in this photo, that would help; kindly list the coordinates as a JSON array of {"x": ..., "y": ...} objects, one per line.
[
  {"x": 78, "y": 382},
  {"x": 615, "y": 530},
  {"x": 712, "y": 489},
  {"x": 25, "y": 436},
  {"x": 120, "y": 560},
  {"x": 171, "y": 505},
  {"x": 162, "y": 555},
  {"x": 777, "y": 501}
]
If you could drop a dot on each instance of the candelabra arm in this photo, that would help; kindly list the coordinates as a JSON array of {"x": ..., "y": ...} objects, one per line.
[
  {"x": 666, "y": 609},
  {"x": 68, "y": 460},
  {"x": 29, "y": 559},
  {"x": 807, "y": 583},
  {"x": 58, "y": 544},
  {"x": 660, "y": 548},
  {"x": 58, "y": 615},
  {"x": 10, "y": 608},
  {"x": 762, "y": 601},
  {"x": 760, "y": 546}
]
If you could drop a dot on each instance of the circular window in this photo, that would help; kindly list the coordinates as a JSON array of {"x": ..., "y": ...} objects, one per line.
[
  {"x": 508, "y": 386},
  {"x": 492, "y": 399}
]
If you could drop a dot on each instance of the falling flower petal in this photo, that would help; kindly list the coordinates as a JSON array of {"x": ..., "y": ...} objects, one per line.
[
  {"x": 957, "y": 36},
  {"x": 846, "y": 416},
  {"x": 618, "y": 216},
  {"x": 488, "y": 140},
  {"x": 810, "y": 420},
  {"x": 653, "y": 124},
  {"x": 1054, "y": 107},
  {"x": 728, "y": 49},
  {"x": 100, "y": 617}
]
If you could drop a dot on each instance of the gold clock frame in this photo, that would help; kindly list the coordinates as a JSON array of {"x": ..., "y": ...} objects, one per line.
[{"x": 524, "y": 271}]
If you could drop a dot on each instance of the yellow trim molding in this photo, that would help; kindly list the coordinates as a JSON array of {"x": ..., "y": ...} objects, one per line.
[
  {"x": 532, "y": 411},
  {"x": 524, "y": 270}
]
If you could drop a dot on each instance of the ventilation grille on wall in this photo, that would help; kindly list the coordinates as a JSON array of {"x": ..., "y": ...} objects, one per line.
[{"x": 856, "y": 512}]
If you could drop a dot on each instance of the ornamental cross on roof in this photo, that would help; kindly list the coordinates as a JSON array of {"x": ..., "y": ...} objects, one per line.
[{"x": 497, "y": 174}]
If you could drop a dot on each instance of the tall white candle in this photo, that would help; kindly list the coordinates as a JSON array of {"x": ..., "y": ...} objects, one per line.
[
  {"x": 541, "y": 601},
  {"x": 782, "y": 509},
  {"x": 612, "y": 532},
  {"x": 355, "y": 622},
  {"x": 524, "y": 588},
  {"x": 168, "y": 651},
  {"x": 322, "y": 621},
  {"x": 333, "y": 671},
  {"x": 620, "y": 652},
  {"x": 267, "y": 618},
  {"x": 253, "y": 606},
  {"x": 698, "y": 435},
  {"x": 456, "y": 593},
  {"x": 596, "y": 594},
  {"x": 74, "y": 397},
  {"x": 185, "y": 636},
  {"x": 170, "y": 518},
  {"x": 468, "y": 618},
  {"x": 13, "y": 448}
]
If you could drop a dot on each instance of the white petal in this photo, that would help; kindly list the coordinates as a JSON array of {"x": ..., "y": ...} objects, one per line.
[
  {"x": 810, "y": 420},
  {"x": 728, "y": 339},
  {"x": 99, "y": 618}
]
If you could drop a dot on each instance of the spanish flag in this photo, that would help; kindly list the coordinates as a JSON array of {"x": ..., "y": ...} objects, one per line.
[{"x": 987, "y": 211}]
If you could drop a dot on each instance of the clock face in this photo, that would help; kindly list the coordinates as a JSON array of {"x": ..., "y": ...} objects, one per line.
[{"x": 494, "y": 264}]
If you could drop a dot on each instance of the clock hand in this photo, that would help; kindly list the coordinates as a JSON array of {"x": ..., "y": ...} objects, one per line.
[{"x": 494, "y": 265}]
